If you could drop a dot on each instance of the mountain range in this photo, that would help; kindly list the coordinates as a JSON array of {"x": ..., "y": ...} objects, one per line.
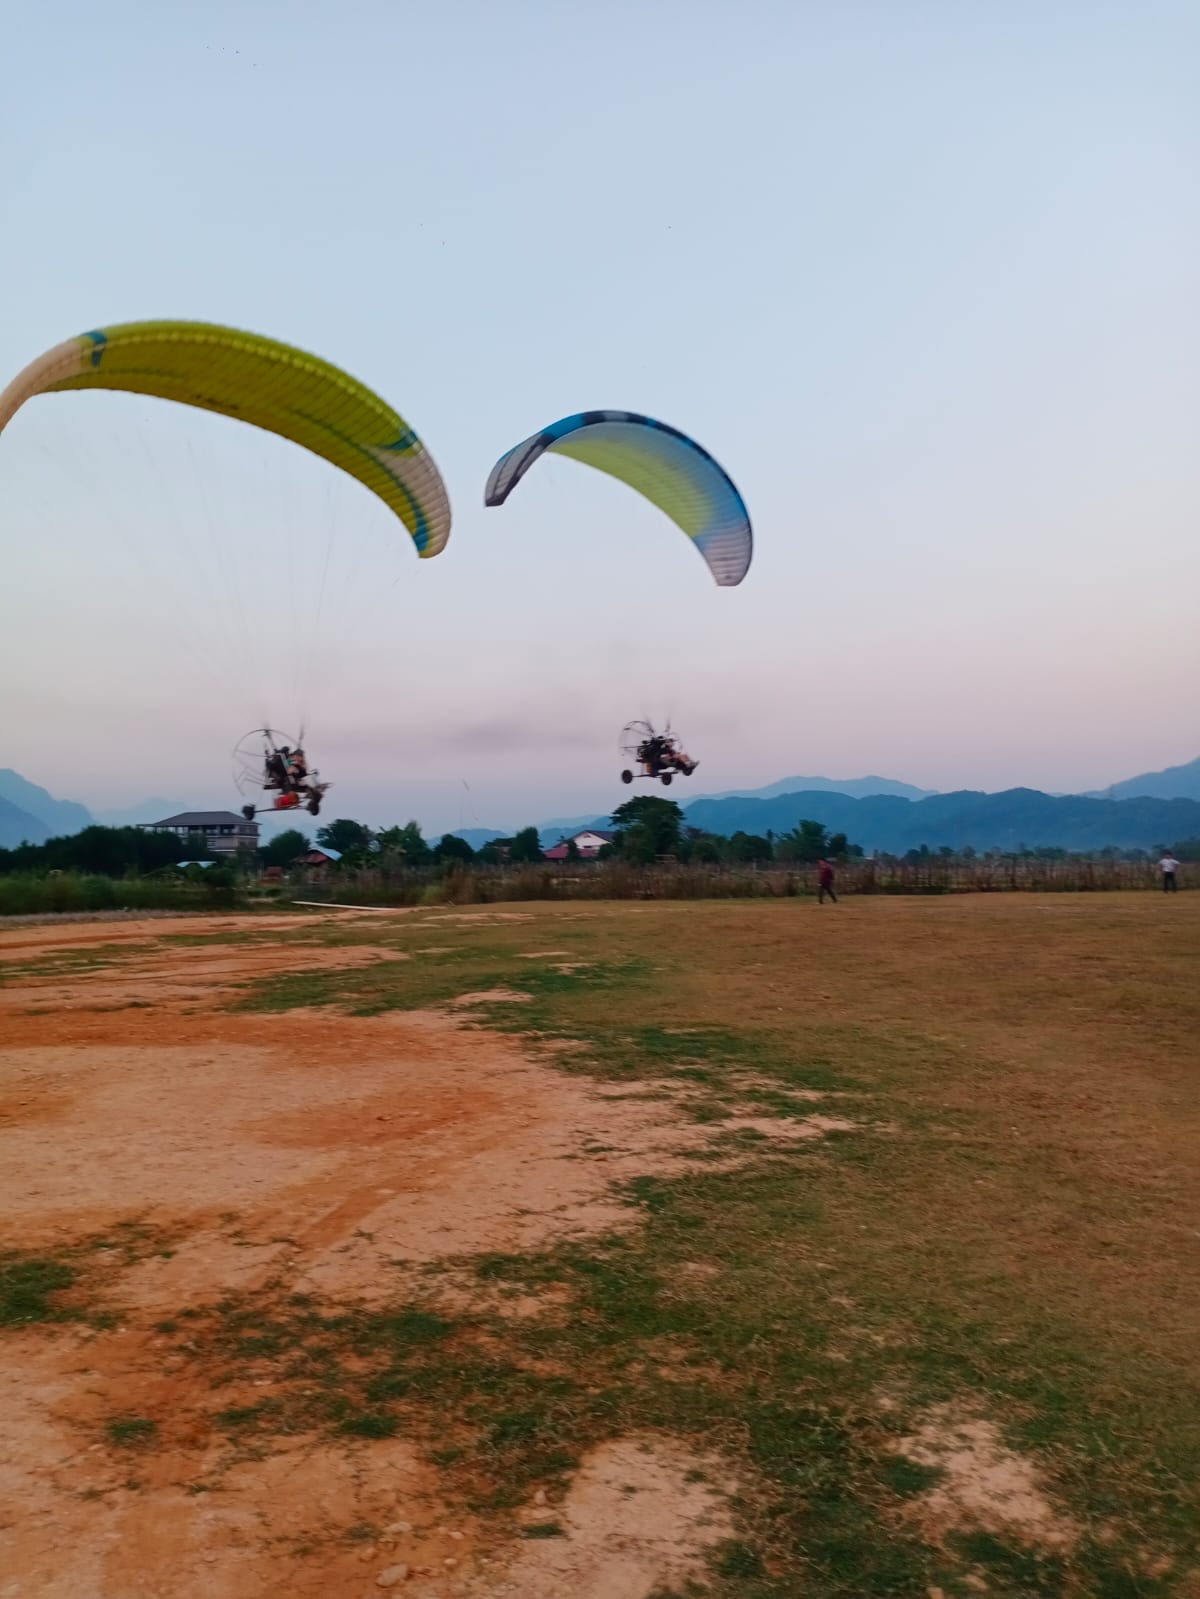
[
  {"x": 1173, "y": 782},
  {"x": 1017, "y": 817},
  {"x": 19, "y": 827},
  {"x": 855, "y": 787},
  {"x": 884, "y": 814},
  {"x": 879, "y": 813},
  {"x": 24, "y": 804}
]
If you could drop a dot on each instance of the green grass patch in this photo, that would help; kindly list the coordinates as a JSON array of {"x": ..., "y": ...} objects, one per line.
[
  {"x": 237, "y": 1418},
  {"x": 423, "y": 981},
  {"x": 29, "y": 1286},
  {"x": 131, "y": 1432},
  {"x": 31, "y": 1283},
  {"x": 369, "y": 1424},
  {"x": 737, "y": 1559}
]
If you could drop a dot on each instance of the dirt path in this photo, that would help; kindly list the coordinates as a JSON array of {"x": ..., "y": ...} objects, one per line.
[{"x": 338, "y": 1155}]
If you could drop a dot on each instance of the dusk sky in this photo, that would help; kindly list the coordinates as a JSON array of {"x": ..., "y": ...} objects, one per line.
[{"x": 922, "y": 276}]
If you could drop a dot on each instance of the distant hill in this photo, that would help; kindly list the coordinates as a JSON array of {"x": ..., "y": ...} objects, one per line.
[
  {"x": 58, "y": 816},
  {"x": 564, "y": 826},
  {"x": 1173, "y": 782},
  {"x": 18, "y": 827},
  {"x": 855, "y": 787},
  {"x": 1019, "y": 816}
]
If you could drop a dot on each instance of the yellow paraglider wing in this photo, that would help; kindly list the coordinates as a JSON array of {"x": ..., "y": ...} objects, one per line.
[{"x": 268, "y": 384}]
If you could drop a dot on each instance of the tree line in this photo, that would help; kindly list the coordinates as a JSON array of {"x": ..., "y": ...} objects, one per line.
[
  {"x": 645, "y": 829},
  {"x": 103, "y": 852}
]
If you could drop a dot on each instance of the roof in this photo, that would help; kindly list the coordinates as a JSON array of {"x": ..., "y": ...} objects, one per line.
[
  {"x": 319, "y": 852},
  {"x": 195, "y": 863},
  {"x": 561, "y": 850},
  {"x": 201, "y": 819}
]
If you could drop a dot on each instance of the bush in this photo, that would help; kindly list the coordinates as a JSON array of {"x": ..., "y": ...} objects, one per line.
[{"x": 27, "y": 894}]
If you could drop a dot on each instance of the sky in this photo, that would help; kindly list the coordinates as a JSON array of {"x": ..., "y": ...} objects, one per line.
[{"x": 920, "y": 274}]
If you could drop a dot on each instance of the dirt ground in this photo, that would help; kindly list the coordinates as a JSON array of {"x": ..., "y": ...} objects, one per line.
[
  {"x": 919, "y": 1292},
  {"x": 339, "y": 1154}
]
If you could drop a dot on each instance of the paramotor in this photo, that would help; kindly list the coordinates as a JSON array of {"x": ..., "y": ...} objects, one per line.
[
  {"x": 268, "y": 760},
  {"x": 653, "y": 755}
]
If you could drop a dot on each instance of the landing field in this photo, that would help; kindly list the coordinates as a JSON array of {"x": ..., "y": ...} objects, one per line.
[{"x": 618, "y": 1251}]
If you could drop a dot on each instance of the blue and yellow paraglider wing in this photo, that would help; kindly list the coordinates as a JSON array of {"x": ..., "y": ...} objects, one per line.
[{"x": 668, "y": 468}]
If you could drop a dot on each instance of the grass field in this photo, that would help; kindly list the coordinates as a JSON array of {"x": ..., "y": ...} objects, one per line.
[{"x": 874, "y": 1228}]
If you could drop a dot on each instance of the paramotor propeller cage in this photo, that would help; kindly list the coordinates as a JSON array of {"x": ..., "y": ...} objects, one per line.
[
  {"x": 633, "y": 736},
  {"x": 251, "y": 753}
]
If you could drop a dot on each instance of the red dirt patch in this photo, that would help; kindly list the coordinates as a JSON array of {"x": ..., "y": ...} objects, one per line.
[{"x": 336, "y": 1154}]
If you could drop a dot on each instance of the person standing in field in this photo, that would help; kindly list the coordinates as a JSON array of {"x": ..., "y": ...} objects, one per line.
[
  {"x": 825, "y": 882},
  {"x": 1168, "y": 866}
]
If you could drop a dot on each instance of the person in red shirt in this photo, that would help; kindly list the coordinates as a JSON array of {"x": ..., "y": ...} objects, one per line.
[{"x": 825, "y": 882}]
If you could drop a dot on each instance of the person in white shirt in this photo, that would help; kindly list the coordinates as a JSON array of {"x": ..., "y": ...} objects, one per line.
[{"x": 1168, "y": 866}]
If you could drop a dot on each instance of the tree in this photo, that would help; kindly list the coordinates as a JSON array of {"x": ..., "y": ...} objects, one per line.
[
  {"x": 748, "y": 847},
  {"x": 573, "y": 850},
  {"x": 837, "y": 847},
  {"x": 699, "y": 847},
  {"x": 105, "y": 851},
  {"x": 345, "y": 836},
  {"x": 283, "y": 849},
  {"x": 407, "y": 841},
  {"x": 806, "y": 842},
  {"x": 452, "y": 849},
  {"x": 220, "y": 882},
  {"x": 647, "y": 827},
  {"x": 703, "y": 848},
  {"x": 526, "y": 846}
]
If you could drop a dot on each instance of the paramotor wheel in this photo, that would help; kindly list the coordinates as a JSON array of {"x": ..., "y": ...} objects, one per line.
[
  {"x": 249, "y": 812},
  {"x": 666, "y": 778},
  {"x": 627, "y": 776}
]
